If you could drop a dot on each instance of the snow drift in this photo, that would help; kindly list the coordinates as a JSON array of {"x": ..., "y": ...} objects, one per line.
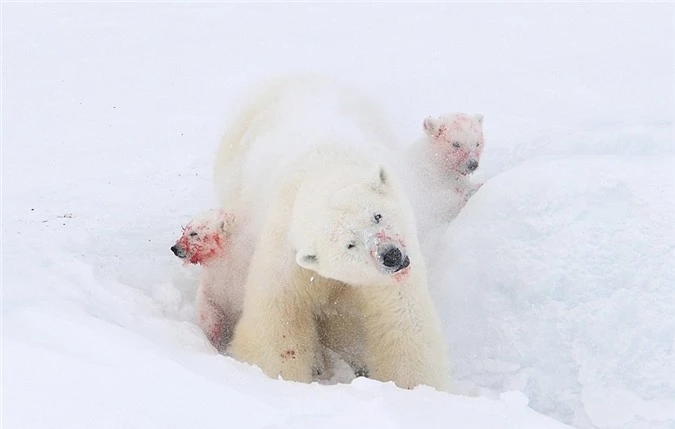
[{"x": 558, "y": 282}]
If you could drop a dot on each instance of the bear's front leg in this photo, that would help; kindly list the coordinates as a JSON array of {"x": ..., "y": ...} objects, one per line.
[
  {"x": 277, "y": 331},
  {"x": 279, "y": 342},
  {"x": 403, "y": 338}
]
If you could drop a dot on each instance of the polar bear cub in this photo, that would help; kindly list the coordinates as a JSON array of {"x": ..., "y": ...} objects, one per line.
[
  {"x": 212, "y": 239},
  {"x": 336, "y": 239},
  {"x": 443, "y": 161}
]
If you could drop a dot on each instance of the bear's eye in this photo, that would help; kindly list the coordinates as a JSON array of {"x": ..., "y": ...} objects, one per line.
[
  {"x": 193, "y": 234},
  {"x": 455, "y": 144},
  {"x": 477, "y": 144},
  {"x": 351, "y": 245},
  {"x": 377, "y": 217}
]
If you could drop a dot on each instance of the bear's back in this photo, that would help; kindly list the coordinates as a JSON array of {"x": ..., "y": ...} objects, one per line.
[{"x": 285, "y": 120}]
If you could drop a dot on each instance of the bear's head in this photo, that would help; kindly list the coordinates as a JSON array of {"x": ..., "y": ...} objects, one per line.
[
  {"x": 360, "y": 234},
  {"x": 457, "y": 140},
  {"x": 205, "y": 238}
]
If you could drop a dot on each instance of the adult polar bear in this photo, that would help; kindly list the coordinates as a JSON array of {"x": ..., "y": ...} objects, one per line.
[{"x": 336, "y": 258}]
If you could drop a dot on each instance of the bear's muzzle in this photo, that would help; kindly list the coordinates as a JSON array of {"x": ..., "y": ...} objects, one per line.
[{"x": 393, "y": 258}]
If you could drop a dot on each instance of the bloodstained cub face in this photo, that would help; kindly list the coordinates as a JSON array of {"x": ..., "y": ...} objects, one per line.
[
  {"x": 457, "y": 140},
  {"x": 205, "y": 238}
]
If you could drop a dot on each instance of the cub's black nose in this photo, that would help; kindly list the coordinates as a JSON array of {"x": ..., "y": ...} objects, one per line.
[
  {"x": 392, "y": 258},
  {"x": 179, "y": 251},
  {"x": 472, "y": 165}
]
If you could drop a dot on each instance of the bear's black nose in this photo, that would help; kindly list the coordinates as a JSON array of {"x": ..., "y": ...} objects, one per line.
[
  {"x": 405, "y": 264},
  {"x": 174, "y": 249},
  {"x": 392, "y": 258},
  {"x": 472, "y": 165}
]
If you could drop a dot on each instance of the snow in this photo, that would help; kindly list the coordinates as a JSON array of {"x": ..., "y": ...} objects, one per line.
[
  {"x": 555, "y": 286},
  {"x": 577, "y": 299}
]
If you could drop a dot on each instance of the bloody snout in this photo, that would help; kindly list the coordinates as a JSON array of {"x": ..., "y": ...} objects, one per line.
[{"x": 178, "y": 250}]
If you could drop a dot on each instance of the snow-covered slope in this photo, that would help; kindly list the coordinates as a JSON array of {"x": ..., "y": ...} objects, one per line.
[
  {"x": 558, "y": 282},
  {"x": 557, "y": 278}
]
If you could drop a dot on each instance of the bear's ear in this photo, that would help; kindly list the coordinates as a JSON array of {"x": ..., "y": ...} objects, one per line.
[
  {"x": 381, "y": 178},
  {"x": 224, "y": 219},
  {"x": 307, "y": 260},
  {"x": 479, "y": 118},
  {"x": 431, "y": 127}
]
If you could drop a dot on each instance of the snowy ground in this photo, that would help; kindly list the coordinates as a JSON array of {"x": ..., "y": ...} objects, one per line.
[{"x": 557, "y": 278}]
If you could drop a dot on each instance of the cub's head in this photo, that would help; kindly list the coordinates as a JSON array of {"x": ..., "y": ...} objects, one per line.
[
  {"x": 205, "y": 238},
  {"x": 359, "y": 234},
  {"x": 457, "y": 140}
]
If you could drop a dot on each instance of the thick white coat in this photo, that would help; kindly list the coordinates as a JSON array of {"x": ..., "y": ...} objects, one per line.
[{"x": 302, "y": 164}]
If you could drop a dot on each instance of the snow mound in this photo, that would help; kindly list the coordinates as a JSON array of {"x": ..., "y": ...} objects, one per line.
[{"x": 558, "y": 282}]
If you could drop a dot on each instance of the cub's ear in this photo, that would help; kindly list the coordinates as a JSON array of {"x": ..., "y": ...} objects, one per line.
[
  {"x": 431, "y": 127},
  {"x": 307, "y": 260},
  {"x": 380, "y": 178},
  {"x": 479, "y": 118},
  {"x": 225, "y": 219}
]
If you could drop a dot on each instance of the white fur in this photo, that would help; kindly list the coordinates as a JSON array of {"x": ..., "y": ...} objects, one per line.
[
  {"x": 301, "y": 163},
  {"x": 224, "y": 262},
  {"x": 441, "y": 181},
  {"x": 320, "y": 109}
]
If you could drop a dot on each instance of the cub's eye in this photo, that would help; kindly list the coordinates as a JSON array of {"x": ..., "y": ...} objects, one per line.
[
  {"x": 193, "y": 234},
  {"x": 377, "y": 217},
  {"x": 351, "y": 245},
  {"x": 455, "y": 144},
  {"x": 477, "y": 144}
]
